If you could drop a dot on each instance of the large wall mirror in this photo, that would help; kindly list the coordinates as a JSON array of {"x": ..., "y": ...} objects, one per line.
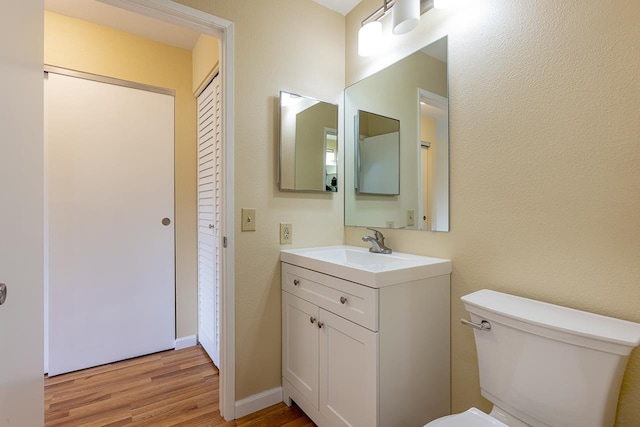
[
  {"x": 308, "y": 144},
  {"x": 414, "y": 92}
]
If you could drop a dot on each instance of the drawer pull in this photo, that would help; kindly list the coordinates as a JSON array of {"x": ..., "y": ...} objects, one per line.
[
  {"x": 312, "y": 319},
  {"x": 296, "y": 282},
  {"x": 320, "y": 324},
  {"x": 343, "y": 300}
]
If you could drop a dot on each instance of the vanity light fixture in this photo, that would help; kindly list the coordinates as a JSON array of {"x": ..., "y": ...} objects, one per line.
[
  {"x": 370, "y": 34},
  {"x": 406, "y": 17},
  {"x": 441, "y": 4}
]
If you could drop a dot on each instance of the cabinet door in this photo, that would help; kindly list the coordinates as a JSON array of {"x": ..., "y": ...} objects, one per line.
[
  {"x": 348, "y": 372},
  {"x": 300, "y": 345}
]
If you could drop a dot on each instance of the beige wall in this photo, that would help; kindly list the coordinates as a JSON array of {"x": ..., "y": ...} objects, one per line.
[
  {"x": 79, "y": 45},
  {"x": 296, "y": 46},
  {"x": 545, "y": 182}
]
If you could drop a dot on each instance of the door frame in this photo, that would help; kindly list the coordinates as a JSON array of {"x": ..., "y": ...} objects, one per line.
[{"x": 223, "y": 29}]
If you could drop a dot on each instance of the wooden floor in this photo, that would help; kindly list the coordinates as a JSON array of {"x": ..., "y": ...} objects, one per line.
[{"x": 172, "y": 388}]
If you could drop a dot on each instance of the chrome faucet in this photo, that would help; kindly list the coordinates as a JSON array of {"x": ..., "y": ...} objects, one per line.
[{"x": 377, "y": 242}]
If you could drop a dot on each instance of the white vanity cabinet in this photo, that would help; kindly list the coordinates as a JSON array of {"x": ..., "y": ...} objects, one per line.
[{"x": 362, "y": 355}]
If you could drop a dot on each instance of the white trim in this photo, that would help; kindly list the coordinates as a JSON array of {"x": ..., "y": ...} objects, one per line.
[
  {"x": 259, "y": 401},
  {"x": 185, "y": 342},
  {"x": 433, "y": 99},
  {"x": 179, "y": 14}
]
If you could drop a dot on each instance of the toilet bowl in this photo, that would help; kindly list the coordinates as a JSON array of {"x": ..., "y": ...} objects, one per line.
[
  {"x": 544, "y": 365},
  {"x": 470, "y": 418}
]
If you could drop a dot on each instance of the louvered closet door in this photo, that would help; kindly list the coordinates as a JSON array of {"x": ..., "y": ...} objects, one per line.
[
  {"x": 209, "y": 204},
  {"x": 111, "y": 233}
]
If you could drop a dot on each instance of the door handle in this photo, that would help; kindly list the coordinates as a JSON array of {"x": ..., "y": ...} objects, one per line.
[{"x": 3, "y": 293}]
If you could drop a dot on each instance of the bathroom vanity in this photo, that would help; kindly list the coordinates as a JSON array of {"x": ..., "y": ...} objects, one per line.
[{"x": 365, "y": 337}]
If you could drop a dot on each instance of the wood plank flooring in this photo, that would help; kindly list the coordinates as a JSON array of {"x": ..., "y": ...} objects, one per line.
[{"x": 171, "y": 388}]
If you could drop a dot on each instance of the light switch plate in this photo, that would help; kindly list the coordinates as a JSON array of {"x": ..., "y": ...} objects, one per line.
[
  {"x": 286, "y": 233},
  {"x": 248, "y": 219},
  {"x": 411, "y": 218}
]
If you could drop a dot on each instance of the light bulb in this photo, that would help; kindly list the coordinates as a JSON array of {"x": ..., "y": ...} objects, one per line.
[
  {"x": 369, "y": 38},
  {"x": 441, "y": 4}
]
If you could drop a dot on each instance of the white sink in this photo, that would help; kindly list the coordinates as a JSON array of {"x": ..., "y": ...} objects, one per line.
[{"x": 361, "y": 266}]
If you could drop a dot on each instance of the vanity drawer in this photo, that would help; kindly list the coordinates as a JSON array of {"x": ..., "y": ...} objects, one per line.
[{"x": 352, "y": 301}]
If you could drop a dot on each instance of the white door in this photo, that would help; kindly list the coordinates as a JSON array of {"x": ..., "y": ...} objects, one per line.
[
  {"x": 209, "y": 211},
  {"x": 300, "y": 345},
  {"x": 21, "y": 213},
  {"x": 111, "y": 233},
  {"x": 348, "y": 372}
]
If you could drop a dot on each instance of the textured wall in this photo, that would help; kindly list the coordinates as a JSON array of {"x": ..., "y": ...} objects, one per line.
[
  {"x": 296, "y": 46},
  {"x": 545, "y": 183},
  {"x": 80, "y": 45}
]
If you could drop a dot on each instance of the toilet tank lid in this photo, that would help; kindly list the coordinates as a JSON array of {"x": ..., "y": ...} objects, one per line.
[{"x": 556, "y": 317}]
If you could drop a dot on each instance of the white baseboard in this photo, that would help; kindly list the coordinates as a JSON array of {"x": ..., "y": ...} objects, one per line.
[
  {"x": 259, "y": 401},
  {"x": 184, "y": 342}
]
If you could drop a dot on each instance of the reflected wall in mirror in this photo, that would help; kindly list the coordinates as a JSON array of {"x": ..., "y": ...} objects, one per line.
[
  {"x": 378, "y": 154},
  {"x": 308, "y": 144},
  {"x": 414, "y": 90}
]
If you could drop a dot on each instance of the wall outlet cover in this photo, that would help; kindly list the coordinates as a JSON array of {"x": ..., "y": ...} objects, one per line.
[{"x": 286, "y": 233}]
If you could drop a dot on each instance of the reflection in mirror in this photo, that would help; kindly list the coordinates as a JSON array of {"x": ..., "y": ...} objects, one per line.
[
  {"x": 308, "y": 144},
  {"x": 378, "y": 154},
  {"x": 414, "y": 90}
]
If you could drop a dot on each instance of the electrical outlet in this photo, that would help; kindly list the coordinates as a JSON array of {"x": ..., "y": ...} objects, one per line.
[
  {"x": 411, "y": 215},
  {"x": 286, "y": 233},
  {"x": 248, "y": 219},
  {"x": 390, "y": 224}
]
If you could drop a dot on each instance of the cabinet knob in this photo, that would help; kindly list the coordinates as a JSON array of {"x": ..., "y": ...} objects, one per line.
[
  {"x": 343, "y": 300},
  {"x": 296, "y": 282},
  {"x": 3, "y": 293},
  {"x": 312, "y": 319},
  {"x": 320, "y": 324}
]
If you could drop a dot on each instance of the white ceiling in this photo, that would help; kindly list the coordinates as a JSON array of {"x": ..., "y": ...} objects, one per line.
[
  {"x": 103, "y": 14},
  {"x": 342, "y": 6}
]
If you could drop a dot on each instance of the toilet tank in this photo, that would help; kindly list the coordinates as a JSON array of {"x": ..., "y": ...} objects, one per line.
[{"x": 549, "y": 365}]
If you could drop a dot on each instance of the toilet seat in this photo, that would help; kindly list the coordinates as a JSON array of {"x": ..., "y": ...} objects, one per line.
[{"x": 470, "y": 418}]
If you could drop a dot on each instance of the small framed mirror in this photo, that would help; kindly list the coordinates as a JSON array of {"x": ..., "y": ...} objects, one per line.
[
  {"x": 378, "y": 154},
  {"x": 308, "y": 144}
]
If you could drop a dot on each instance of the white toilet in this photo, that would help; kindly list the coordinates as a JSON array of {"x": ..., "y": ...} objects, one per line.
[{"x": 544, "y": 365}]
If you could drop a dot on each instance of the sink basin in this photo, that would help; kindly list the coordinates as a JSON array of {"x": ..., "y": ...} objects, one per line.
[{"x": 359, "y": 265}]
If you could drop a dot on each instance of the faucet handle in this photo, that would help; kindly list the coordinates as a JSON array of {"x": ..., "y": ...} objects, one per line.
[{"x": 377, "y": 233}]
